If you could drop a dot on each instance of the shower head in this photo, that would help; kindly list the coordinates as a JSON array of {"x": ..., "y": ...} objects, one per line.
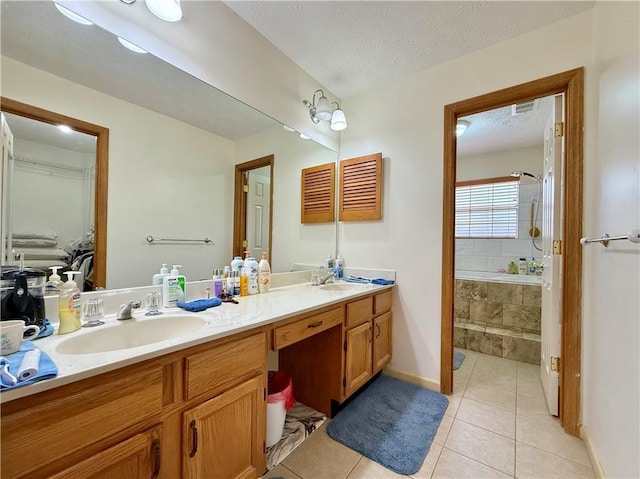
[{"x": 520, "y": 174}]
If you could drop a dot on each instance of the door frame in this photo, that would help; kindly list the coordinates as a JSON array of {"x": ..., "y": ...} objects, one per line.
[
  {"x": 571, "y": 83},
  {"x": 240, "y": 204}
]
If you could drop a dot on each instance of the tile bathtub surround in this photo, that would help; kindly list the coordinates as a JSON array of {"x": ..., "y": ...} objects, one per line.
[
  {"x": 496, "y": 426},
  {"x": 501, "y": 319}
]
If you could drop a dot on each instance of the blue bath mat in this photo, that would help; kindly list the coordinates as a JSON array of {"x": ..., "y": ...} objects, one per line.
[
  {"x": 458, "y": 358},
  {"x": 391, "y": 422}
]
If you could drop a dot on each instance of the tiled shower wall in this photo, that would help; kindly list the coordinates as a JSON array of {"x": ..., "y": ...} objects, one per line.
[
  {"x": 495, "y": 254},
  {"x": 500, "y": 319}
]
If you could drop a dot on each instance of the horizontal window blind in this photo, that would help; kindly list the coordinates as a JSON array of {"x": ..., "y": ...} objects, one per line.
[{"x": 487, "y": 208}]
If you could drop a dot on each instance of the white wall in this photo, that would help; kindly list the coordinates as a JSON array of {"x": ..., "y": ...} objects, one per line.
[
  {"x": 293, "y": 242},
  {"x": 166, "y": 178},
  {"x": 611, "y": 326},
  {"x": 404, "y": 120},
  {"x": 501, "y": 163}
]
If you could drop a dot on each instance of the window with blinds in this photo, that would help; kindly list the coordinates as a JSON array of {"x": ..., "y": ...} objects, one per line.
[{"x": 487, "y": 208}]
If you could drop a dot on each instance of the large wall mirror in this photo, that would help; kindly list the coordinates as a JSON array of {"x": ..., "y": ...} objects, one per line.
[{"x": 173, "y": 145}]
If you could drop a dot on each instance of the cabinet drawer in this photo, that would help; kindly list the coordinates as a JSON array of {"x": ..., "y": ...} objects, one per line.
[
  {"x": 221, "y": 367},
  {"x": 80, "y": 414},
  {"x": 359, "y": 311},
  {"x": 382, "y": 302},
  {"x": 291, "y": 333}
]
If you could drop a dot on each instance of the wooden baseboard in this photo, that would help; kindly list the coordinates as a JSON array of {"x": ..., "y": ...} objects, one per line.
[
  {"x": 410, "y": 378},
  {"x": 595, "y": 464}
]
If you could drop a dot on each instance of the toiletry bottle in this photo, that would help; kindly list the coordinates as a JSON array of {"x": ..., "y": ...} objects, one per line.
[
  {"x": 340, "y": 266},
  {"x": 264, "y": 274},
  {"x": 237, "y": 263},
  {"x": 158, "y": 277},
  {"x": 236, "y": 282},
  {"x": 69, "y": 305},
  {"x": 218, "y": 283},
  {"x": 173, "y": 287},
  {"x": 330, "y": 262},
  {"x": 54, "y": 284},
  {"x": 532, "y": 266},
  {"x": 244, "y": 282},
  {"x": 251, "y": 265},
  {"x": 523, "y": 267},
  {"x": 512, "y": 268}
]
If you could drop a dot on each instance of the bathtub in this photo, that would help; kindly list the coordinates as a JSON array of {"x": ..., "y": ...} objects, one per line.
[{"x": 498, "y": 277}]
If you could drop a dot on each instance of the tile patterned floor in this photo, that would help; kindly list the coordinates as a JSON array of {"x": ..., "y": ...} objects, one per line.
[{"x": 496, "y": 426}]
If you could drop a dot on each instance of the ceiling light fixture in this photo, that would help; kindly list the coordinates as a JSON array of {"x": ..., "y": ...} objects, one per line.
[
  {"x": 72, "y": 16},
  {"x": 65, "y": 128},
  {"x": 322, "y": 111},
  {"x": 131, "y": 46},
  {"x": 461, "y": 127},
  {"x": 167, "y": 10}
]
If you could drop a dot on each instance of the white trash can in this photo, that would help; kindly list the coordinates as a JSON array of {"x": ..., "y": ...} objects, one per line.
[{"x": 279, "y": 401}]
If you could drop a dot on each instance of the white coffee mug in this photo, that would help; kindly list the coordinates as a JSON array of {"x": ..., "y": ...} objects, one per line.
[{"x": 11, "y": 335}]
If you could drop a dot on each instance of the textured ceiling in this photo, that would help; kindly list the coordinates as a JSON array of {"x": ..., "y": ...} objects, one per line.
[{"x": 349, "y": 46}]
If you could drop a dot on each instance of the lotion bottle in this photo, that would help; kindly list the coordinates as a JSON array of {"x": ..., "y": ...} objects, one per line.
[
  {"x": 158, "y": 277},
  {"x": 523, "y": 267},
  {"x": 173, "y": 287},
  {"x": 69, "y": 305},
  {"x": 251, "y": 265},
  {"x": 54, "y": 284},
  {"x": 264, "y": 274}
]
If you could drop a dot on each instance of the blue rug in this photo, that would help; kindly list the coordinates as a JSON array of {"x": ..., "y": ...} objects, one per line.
[
  {"x": 391, "y": 422},
  {"x": 458, "y": 358}
]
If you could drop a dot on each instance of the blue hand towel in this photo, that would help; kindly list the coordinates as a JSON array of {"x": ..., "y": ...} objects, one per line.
[
  {"x": 46, "y": 368},
  {"x": 200, "y": 304},
  {"x": 46, "y": 331},
  {"x": 360, "y": 279}
]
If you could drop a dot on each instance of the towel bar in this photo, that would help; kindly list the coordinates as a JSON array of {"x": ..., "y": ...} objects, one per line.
[
  {"x": 633, "y": 236},
  {"x": 151, "y": 239}
]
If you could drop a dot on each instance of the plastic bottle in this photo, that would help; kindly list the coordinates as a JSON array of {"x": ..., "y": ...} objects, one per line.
[
  {"x": 69, "y": 305},
  {"x": 236, "y": 282},
  {"x": 237, "y": 263},
  {"x": 264, "y": 274},
  {"x": 523, "y": 267},
  {"x": 512, "y": 268},
  {"x": 340, "y": 266},
  {"x": 251, "y": 265},
  {"x": 54, "y": 284},
  {"x": 330, "y": 262},
  {"x": 244, "y": 282},
  {"x": 174, "y": 287},
  {"x": 532, "y": 266},
  {"x": 157, "y": 278}
]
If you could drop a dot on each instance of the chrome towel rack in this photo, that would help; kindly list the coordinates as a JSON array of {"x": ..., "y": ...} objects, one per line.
[
  {"x": 633, "y": 236},
  {"x": 152, "y": 239}
]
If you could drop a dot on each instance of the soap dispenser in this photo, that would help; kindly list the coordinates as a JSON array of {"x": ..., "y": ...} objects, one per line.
[
  {"x": 69, "y": 305},
  {"x": 174, "y": 287},
  {"x": 54, "y": 284},
  {"x": 158, "y": 277}
]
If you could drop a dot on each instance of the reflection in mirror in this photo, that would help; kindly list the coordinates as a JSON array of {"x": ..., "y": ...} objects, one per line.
[
  {"x": 173, "y": 144},
  {"x": 50, "y": 195}
]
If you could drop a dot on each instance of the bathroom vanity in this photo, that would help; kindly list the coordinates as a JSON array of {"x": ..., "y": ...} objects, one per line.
[{"x": 195, "y": 407}]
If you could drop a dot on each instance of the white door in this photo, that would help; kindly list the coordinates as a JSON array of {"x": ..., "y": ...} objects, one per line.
[
  {"x": 6, "y": 172},
  {"x": 551, "y": 320},
  {"x": 258, "y": 205}
]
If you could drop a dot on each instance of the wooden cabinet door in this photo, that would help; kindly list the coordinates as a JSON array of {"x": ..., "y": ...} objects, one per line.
[
  {"x": 381, "y": 341},
  {"x": 136, "y": 457},
  {"x": 357, "y": 357},
  {"x": 224, "y": 437}
]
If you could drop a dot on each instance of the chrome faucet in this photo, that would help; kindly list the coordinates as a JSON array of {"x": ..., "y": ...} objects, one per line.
[
  {"x": 327, "y": 279},
  {"x": 125, "y": 310}
]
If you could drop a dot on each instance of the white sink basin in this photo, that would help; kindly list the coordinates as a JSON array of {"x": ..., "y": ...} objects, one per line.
[
  {"x": 131, "y": 333},
  {"x": 344, "y": 286}
]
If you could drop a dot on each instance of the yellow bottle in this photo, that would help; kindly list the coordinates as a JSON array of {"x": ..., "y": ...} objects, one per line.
[
  {"x": 244, "y": 282},
  {"x": 69, "y": 305}
]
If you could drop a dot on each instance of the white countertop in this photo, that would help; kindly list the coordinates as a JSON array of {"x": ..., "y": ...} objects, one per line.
[{"x": 221, "y": 321}]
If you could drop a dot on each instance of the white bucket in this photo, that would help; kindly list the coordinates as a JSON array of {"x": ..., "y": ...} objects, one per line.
[{"x": 276, "y": 414}]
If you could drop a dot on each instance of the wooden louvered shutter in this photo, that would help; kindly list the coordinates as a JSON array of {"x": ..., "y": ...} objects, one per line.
[
  {"x": 361, "y": 188},
  {"x": 318, "y": 194}
]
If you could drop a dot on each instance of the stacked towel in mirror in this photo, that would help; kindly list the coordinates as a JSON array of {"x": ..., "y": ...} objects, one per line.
[{"x": 40, "y": 248}]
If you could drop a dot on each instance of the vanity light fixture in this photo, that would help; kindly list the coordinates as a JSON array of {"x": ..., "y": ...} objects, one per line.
[
  {"x": 461, "y": 127},
  {"x": 131, "y": 46},
  {"x": 167, "y": 10},
  {"x": 65, "y": 128},
  {"x": 322, "y": 111},
  {"x": 72, "y": 16},
  {"x": 287, "y": 128},
  {"x": 304, "y": 137}
]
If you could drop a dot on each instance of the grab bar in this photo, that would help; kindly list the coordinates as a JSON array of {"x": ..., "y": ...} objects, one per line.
[
  {"x": 633, "y": 236},
  {"x": 152, "y": 239}
]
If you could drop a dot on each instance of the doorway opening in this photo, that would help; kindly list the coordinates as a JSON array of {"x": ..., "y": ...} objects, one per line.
[
  {"x": 253, "y": 211},
  {"x": 571, "y": 84}
]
